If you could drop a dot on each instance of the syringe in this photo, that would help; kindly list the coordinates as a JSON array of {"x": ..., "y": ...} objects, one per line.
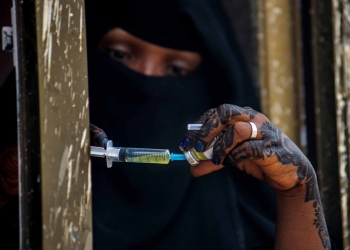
[{"x": 135, "y": 155}]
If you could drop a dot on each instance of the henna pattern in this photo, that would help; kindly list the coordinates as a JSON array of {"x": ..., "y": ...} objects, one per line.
[
  {"x": 221, "y": 115},
  {"x": 224, "y": 142},
  {"x": 321, "y": 225},
  {"x": 211, "y": 120},
  {"x": 289, "y": 153},
  {"x": 97, "y": 136},
  {"x": 252, "y": 113},
  {"x": 214, "y": 122},
  {"x": 274, "y": 141}
]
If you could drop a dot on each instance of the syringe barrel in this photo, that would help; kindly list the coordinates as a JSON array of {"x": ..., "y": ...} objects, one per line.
[
  {"x": 136, "y": 155},
  {"x": 146, "y": 155}
]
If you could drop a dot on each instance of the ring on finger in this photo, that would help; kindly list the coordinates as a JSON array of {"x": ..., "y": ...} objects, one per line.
[{"x": 254, "y": 130}]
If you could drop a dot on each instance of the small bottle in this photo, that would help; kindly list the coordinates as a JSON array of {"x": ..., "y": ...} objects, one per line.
[{"x": 194, "y": 157}]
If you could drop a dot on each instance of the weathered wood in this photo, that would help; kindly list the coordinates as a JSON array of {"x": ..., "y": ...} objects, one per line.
[
  {"x": 54, "y": 135},
  {"x": 323, "y": 49},
  {"x": 280, "y": 66},
  {"x": 341, "y": 32}
]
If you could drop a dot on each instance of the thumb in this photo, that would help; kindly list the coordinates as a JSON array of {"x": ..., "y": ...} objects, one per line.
[{"x": 203, "y": 168}]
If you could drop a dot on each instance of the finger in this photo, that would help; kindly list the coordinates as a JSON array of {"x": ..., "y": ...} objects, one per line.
[
  {"x": 203, "y": 168},
  {"x": 251, "y": 149},
  {"x": 191, "y": 136},
  {"x": 249, "y": 108},
  {"x": 236, "y": 134},
  {"x": 251, "y": 168},
  {"x": 224, "y": 116},
  {"x": 97, "y": 136}
]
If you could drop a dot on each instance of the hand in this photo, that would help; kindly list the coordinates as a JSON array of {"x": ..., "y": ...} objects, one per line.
[
  {"x": 271, "y": 156},
  {"x": 98, "y": 137}
]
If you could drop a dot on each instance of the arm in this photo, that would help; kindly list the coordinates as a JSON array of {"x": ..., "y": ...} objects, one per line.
[
  {"x": 300, "y": 220},
  {"x": 270, "y": 156}
]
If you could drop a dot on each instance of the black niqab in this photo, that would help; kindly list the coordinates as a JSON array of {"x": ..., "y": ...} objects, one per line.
[{"x": 145, "y": 206}]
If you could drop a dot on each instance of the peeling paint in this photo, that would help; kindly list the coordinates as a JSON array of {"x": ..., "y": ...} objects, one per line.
[
  {"x": 82, "y": 16},
  {"x": 72, "y": 236},
  {"x": 64, "y": 114},
  {"x": 76, "y": 171},
  {"x": 63, "y": 166},
  {"x": 83, "y": 138},
  {"x": 69, "y": 182}
]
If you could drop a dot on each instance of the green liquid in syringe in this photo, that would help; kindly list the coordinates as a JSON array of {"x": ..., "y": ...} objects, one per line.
[{"x": 156, "y": 156}]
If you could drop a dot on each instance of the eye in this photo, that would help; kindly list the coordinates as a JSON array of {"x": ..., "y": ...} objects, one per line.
[
  {"x": 119, "y": 55},
  {"x": 178, "y": 71}
]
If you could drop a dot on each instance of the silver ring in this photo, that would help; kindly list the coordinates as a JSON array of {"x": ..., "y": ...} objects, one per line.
[{"x": 254, "y": 130}]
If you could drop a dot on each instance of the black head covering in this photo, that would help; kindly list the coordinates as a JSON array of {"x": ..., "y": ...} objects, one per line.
[
  {"x": 9, "y": 226},
  {"x": 145, "y": 206},
  {"x": 192, "y": 25},
  {"x": 141, "y": 18},
  {"x": 8, "y": 111}
]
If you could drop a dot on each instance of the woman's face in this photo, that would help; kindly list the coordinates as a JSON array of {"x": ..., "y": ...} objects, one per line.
[{"x": 147, "y": 58}]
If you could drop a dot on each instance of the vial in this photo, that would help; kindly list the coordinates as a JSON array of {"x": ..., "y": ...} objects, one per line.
[{"x": 194, "y": 157}]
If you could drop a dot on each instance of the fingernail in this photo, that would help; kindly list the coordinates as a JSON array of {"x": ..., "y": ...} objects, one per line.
[
  {"x": 199, "y": 146},
  {"x": 105, "y": 140},
  {"x": 215, "y": 160},
  {"x": 184, "y": 144}
]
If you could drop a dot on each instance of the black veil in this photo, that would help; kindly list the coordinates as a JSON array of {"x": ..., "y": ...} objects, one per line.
[{"x": 193, "y": 25}]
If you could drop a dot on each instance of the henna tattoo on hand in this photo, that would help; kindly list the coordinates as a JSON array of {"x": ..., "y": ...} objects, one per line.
[
  {"x": 97, "y": 136},
  {"x": 220, "y": 116},
  {"x": 252, "y": 112},
  {"x": 321, "y": 225},
  {"x": 223, "y": 143},
  {"x": 288, "y": 153},
  {"x": 275, "y": 142},
  {"x": 211, "y": 119}
]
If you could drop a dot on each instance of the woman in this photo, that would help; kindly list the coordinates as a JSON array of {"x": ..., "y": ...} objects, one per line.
[{"x": 155, "y": 66}]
